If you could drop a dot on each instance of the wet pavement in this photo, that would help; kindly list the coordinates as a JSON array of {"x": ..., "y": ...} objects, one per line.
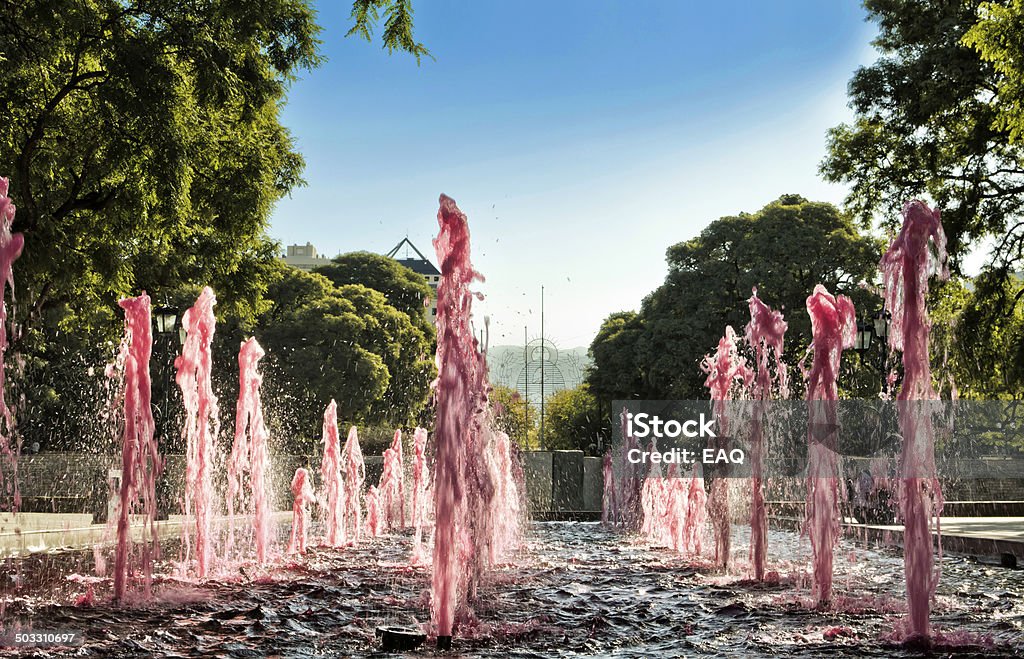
[{"x": 575, "y": 590}]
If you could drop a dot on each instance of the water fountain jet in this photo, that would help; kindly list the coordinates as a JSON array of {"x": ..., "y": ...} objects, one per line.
[
  {"x": 141, "y": 463},
  {"x": 249, "y": 450},
  {"x": 194, "y": 369},
  {"x": 726, "y": 370},
  {"x": 833, "y": 327},
  {"x": 906, "y": 267},
  {"x": 766, "y": 332}
]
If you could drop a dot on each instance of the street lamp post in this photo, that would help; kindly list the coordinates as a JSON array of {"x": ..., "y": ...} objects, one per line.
[
  {"x": 165, "y": 322},
  {"x": 868, "y": 331}
]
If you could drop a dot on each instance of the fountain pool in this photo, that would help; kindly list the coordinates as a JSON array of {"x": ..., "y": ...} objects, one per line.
[{"x": 575, "y": 589}]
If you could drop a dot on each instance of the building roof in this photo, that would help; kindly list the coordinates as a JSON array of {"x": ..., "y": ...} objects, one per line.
[{"x": 420, "y": 266}]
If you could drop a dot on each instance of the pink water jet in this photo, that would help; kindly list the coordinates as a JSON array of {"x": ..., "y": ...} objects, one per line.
[
  {"x": 726, "y": 371},
  {"x": 332, "y": 502},
  {"x": 374, "y": 516},
  {"x": 629, "y": 499},
  {"x": 676, "y": 494},
  {"x": 303, "y": 495},
  {"x": 392, "y": 485},
  {"x": 11, "y": 245},
  {"x": 906, "y": 267},
  {"x": 766, "y": 332},
  {"x": 249, "y": 450},
  {"x": 833, "y": 327},
  {"x": 355, "y": 476},
  {"x": 609, "y": 500},
  {"x": 194, "y": 369},
  {"x": 505, "y": 511},
  {"x": 664, "y": 502},
  {"x": 696, "y": 512},
  {"x": 420, "y": 476},
  {"x": 650, "y": 500},
  {"x": 456, "y": 397},
  {"x": 466, "y": 534},
  {"x": 141, "y": 463}
]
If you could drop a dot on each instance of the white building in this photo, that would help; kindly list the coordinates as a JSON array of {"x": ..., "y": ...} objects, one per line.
[{"x": 304, "y": 257}]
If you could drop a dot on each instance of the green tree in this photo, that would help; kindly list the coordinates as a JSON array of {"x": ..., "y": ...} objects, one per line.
[
  {"x": 513, "y": 414},
  {"x": 783, "y": 250},
  {"x": 999, "y": 38},
  {"x": 573, "y": 419},
  {"x": 144, "y": 145},
  {"x": 982, "y": 363},
  {"x": 933, "y": 119},
  {"x": 615, "y": 372},
  {"x": 404, "y": 289},
  {"x": 346, "y": 343},
  {"x": 145, "y": 151}
]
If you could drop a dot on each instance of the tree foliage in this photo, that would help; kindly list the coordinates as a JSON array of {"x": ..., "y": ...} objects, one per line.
[
  {"x": 398, "y": 25},
  {"x": 574, "y": 419},
  {"x": 404, "y": 289},
  {"x": 346, "y": 343},
  {"x": 783, "y": 250},
  {"x": 978, "y": 337},
  {"x": 939, "y": 115},
  {"x": 616, "y": 371},
  {"x": 999, "y": 38},
  {"x": 145, "y": 150},
  {"x": 513, "y": 414},
  {"x": 144, "y": 144},
  {"x": 933, "y": 119}
]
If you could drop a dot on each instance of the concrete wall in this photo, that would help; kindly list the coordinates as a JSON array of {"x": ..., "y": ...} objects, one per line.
[
  {"x": 538, "y": 475},
  {"x": 562, "y": 483}
]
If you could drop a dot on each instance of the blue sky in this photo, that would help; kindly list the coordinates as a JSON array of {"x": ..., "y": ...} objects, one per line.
[{"x": 581, "y": 137}]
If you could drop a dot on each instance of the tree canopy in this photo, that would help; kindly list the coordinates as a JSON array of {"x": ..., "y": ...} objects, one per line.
[
  {"x": 783, "y": 250},
  {"x": 935, "y": 117},
  {"x": 145, "y": 149},
  {"x": 513, "y": 415},
  {"x": 573, "y": 419},
  {"x": 404, "y": 289},
  {"x": 999, "y": 37},
  {"x": 347, "y": 343}
]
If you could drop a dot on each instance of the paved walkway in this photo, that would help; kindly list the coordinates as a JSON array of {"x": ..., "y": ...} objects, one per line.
[{"x": 977, "y": 536}]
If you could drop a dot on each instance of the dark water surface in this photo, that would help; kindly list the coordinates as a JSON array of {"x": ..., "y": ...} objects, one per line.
[{"x": 576, "y": 590}]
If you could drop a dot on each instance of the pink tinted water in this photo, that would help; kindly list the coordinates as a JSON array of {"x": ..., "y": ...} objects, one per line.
[
  {"x": 194, "y": 369},
  {"x": 332, "y": 502},
  {"x": 505, "y": 504},
  {"x": 302, "y": 496},
  {"x": 141, "y": 463},
  {"x": 629, "y": 512},
  {"x": 11, "y": 245},
  {"x": 474, "y": 522},
  {"x": 374, "y": 516},
  {"x": 833, "y": 327},
  {"x": 906, "y": 267},
  {"x": 420, "y": 476},
  {"x": 766, "y": 333},
  {"x": 355, "y": 475},
  {"x": 249, "y": 451},
  {"x": 726, "y": 371},
  {"x": 609, "y": 507},
  {"x": 456, "y": 396},
  {"x": 392, "y": 485},
  {"x": 696, "y": 512}
]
